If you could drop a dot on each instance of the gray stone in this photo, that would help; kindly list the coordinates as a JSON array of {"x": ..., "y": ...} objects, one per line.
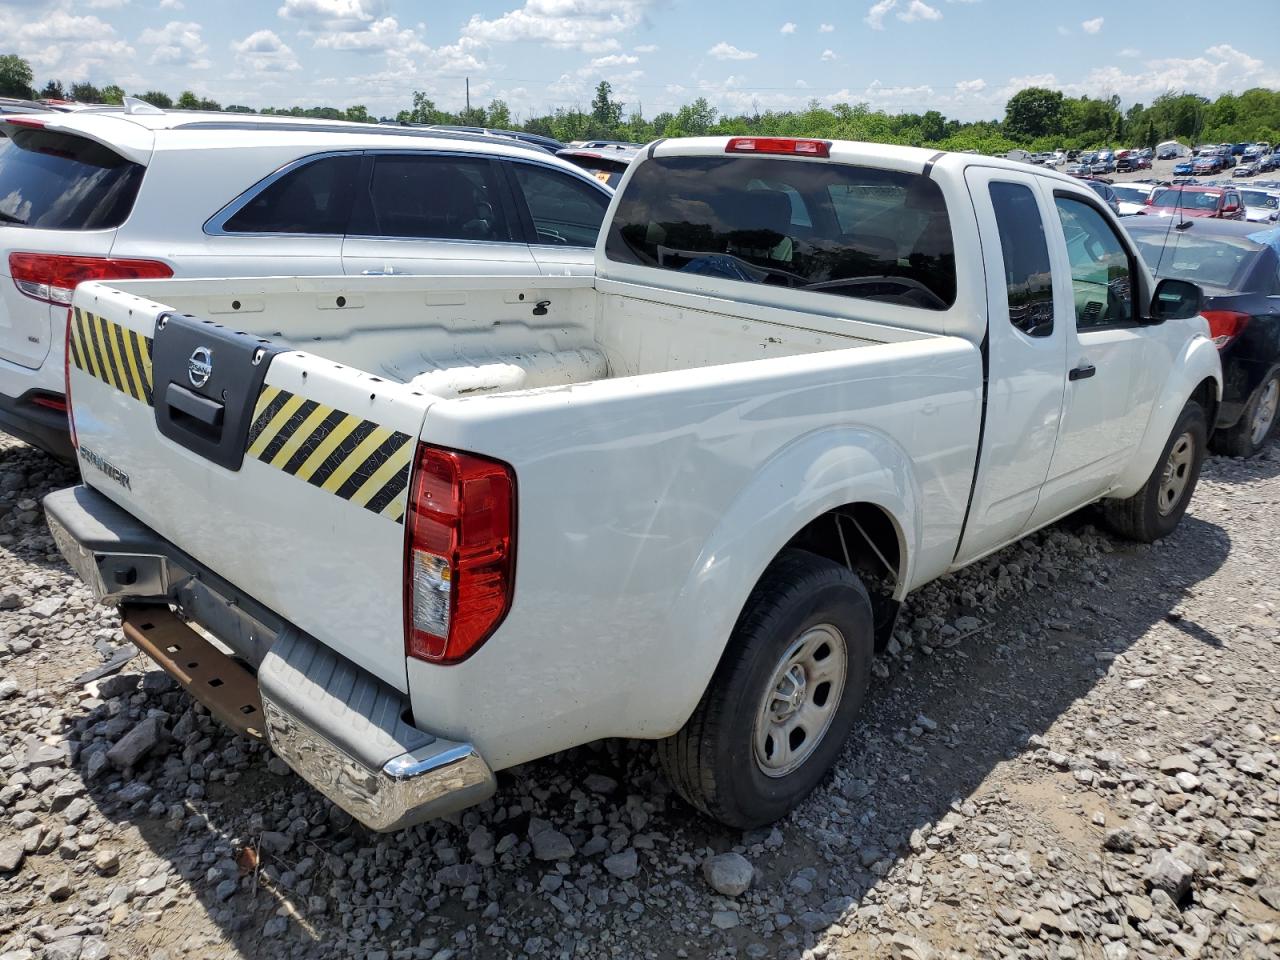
[
  {"x": 12, "y": 853},
  {"x": 624, "y": 865},
  {"x": 729, "y": 874},
  {"x": 68, "y": 948},
  {"x": 59, "y": 888},
  {"x": 46, "y": 608},
  {"x": 1166, "y": 872},
  {"x": 599, "y": 783},
  {"x": 275, "y": 927},
  {"x": 1120, "y": 840},
  {"x": 724, "y": 919},
  {"x": 226, "y": 889},
  {"x": 552, "y": 845},
  {"x": 94, "y": 948},
  {"x": 135, "y": 744},
  {"x": 8, "y": 688}
]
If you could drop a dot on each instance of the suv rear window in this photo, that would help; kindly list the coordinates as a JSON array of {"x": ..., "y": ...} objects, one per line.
[
  {"x": 831, "y": 228},
  {"x": 56, "y": 181}
]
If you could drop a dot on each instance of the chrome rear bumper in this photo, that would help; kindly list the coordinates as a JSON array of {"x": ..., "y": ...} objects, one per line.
[{"x": 340, "y": 728}]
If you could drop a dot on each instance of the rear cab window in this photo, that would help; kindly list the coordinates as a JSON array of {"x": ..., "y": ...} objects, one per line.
[
  {"x": 832, "y": 228},
  {"x": 59, "y": 181}
]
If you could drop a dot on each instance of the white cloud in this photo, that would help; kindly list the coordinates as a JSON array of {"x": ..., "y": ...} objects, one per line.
[
  {"x": 64, "y": 45},
  {"x": 592, "y": 26},
  {"x": 613, "y": 60},
  {"x": 879, "y": 10},
  {"x": 176, "y": 43},
  {"x": 171, "y": 4},
  {"x": 788, "y": 27},
  {"x": 107, "y": 4},
  {"x": 264, "y": 52},
  {"x": 647, "y": 48},
  {"x": 919, "y": 10},
  {"x": 970, "y": 86},
  {"x": 826, "y": 28},
  {"x": 332, "y": 14},
  {"x": 727, "y": 51},
  {"x": 1092, "y": 26},
  {"x": 828, "y": 55},
  {"x": 1063, "y": 31},
  {"x": 375, "y": 37},
  {"x": 1130, "y": 52}
]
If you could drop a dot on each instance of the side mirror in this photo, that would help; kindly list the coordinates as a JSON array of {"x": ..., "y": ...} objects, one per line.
[{"x": 1176, "y": 300}]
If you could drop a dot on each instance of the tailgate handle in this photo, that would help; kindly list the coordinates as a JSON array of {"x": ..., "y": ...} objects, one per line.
[{"x": 201, "y": 409}]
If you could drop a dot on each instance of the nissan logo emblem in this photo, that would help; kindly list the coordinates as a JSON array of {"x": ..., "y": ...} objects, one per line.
[{"x": 200, "y": 366}]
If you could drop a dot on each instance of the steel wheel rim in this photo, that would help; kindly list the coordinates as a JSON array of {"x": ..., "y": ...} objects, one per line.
[
  {"x": 1176, "y": 474},
  {"x": 800, "y": 701},
  {"x": 1265, "y": 415}
]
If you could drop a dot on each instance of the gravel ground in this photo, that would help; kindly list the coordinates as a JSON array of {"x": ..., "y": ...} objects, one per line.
[{"x": 1070, "y": 752}]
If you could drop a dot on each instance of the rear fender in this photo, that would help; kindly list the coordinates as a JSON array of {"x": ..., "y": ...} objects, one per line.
[
  {"x": 814, "y": 474},
  {"x": 1198, "y": 362}
]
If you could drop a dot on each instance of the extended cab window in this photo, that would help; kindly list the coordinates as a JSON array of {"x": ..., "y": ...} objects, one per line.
[
  {"x": 61, "y": 182},
  {"x": 872, "y": 234},
  {"x": 565, "y": 211},
  {"x": 1101, "y": 275},
  {"x": 432, "y": 198},
  {"x": 1027, "y": 275},
  {"x": 314, "y": 198}
]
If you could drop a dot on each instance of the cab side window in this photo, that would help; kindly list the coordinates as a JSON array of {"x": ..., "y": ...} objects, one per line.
[
  {"x": 1027, "y": 275},
  {"x": 1101, "y": 271}
]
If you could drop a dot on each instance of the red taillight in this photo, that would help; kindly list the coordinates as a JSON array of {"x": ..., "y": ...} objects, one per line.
[
  {"x": 19, "y": 121},
  {"x": 788, "y": 146},
  {"x": 459, "y": 553},
  {"x": 52, "y": 278},
  {"x": 1225, "y": 325},
  {"x": 51, "y": 401},
  {"x": 66, "y": 384}
]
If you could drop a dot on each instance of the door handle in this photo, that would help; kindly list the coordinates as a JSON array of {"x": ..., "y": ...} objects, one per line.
[
  {"x": 1082, "y": 372},
  {"x": 384, "y": 272}
]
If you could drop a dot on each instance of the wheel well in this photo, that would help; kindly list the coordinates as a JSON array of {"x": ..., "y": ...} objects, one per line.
[
  {"x": 863, "y": 537},
  {"x": 1206, "y": 394}
]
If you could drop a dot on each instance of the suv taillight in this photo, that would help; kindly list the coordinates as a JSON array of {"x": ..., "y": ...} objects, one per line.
[
  {"x": 52, "y": 278},
  {"x": 459, "y": 553},
  {"x": 1225, "y": 325}
]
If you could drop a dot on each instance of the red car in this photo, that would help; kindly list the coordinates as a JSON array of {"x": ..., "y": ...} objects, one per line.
[{"x": 1220, "y": 203}]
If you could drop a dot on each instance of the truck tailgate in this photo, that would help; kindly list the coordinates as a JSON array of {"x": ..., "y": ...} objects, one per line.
[{"x": 290, "y": 483}]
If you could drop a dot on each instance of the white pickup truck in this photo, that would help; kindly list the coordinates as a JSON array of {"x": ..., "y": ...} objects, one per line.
[{"x": 413, "y": 531}]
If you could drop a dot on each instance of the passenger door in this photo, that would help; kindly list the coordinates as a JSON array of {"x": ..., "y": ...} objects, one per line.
[
  {"x": 1109, "y": 390},
  {"x": 1026, "y": 357},
  {"x": 561, "y": 213},
  {"x": 443, "y": 214}
]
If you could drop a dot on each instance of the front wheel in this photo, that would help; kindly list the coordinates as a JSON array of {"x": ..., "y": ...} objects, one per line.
[
  {"x": 1256, "y": 423},
  {"x": 784, "y": 697},
  {"x": 1155, "y": 510}
]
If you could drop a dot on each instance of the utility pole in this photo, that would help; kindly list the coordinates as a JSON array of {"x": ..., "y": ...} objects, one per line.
[{"x": 468, "y": 96}]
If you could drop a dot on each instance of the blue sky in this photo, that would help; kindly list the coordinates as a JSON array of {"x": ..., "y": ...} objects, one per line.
[{"x": 963, "y": 57}]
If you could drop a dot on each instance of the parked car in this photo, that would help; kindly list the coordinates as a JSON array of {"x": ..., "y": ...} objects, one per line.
[
  {"x": 1131, "y": 198},
  {"x": 1106, "y": 192},
  {"x": 1076, "y": 169},
  {"x": 1131, "y": 160},
  {"x": 718, "y": 472},
  {"x": 606, "y": 164},
  {"x": 1207, "y": 163},
  {"x": 1260, "y": 206},
  {"x": 1104, "y": 162},
  {"x": 1239, "y": 268},
  {"x": 1246, "y": 168},
  {"x": 1195, "y": 202},
  {"x": 108, "y": 193}
]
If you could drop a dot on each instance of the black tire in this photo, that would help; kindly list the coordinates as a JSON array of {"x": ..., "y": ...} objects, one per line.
[
  {"x": 712, "y": 761},
  {"x": 1140, "y": 517},
  {"x": 1238, "y": 441}
]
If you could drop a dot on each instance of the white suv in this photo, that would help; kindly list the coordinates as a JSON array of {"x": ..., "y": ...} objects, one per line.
[{"x": 127, "y": 192}]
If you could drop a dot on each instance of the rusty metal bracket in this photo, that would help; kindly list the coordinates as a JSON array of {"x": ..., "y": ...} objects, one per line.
[{"x": 215, "y": 679}]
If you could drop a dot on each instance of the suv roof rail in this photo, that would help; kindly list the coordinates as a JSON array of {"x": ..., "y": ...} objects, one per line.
[
  {"x": 372, "y": 129},
  {"x": 133, "y": 106}
]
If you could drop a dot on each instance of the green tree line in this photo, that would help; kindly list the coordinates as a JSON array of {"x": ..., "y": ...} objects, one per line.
[{"x": 1035, "y": 118}]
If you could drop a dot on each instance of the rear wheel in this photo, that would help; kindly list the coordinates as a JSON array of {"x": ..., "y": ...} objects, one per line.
[
  {"x": 1155, "y": 510},
  {"x": 1251, "y": 432},
  {"x": 784, "y": 696}
]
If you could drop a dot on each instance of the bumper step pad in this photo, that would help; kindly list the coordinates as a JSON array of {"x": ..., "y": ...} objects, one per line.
[{"x": 211, "y": 676}]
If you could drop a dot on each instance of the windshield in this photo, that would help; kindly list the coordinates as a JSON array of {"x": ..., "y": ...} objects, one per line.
[
  {"x": 1186, "y": 199},
  {"x": 1130, "y": 194},
  {"x": 1216, "y": 261},
  {"x": 1257, "y": 198},
  {"x": 62, "y": 182},
  {"x": 606, "y": 171},
  {"x": 832, "y": 228}
]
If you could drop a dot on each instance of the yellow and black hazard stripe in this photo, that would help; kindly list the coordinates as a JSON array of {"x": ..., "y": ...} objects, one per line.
[
  {"x": 114, "y": 354},
  {"x": 346, "y": 455}
]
